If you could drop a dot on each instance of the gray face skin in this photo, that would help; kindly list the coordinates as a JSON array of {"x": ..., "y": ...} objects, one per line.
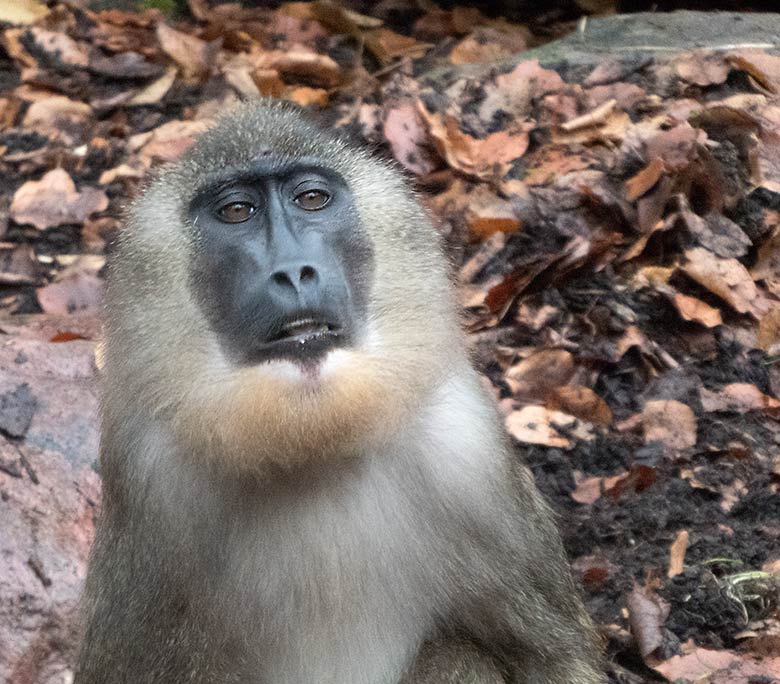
[{"x": 280, "y": 260}]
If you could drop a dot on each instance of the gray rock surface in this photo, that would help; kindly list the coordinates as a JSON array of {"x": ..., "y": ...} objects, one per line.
[{"x": 637, "y": 38}]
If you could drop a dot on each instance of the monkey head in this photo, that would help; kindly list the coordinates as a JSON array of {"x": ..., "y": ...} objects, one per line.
[{"x": 292, "y": 307}]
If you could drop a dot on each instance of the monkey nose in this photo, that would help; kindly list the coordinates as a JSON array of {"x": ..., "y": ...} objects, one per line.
[{"x": 295, "y": 278}]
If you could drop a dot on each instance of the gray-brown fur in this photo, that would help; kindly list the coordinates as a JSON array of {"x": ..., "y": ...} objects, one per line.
[{"x": 251, "y": 534}]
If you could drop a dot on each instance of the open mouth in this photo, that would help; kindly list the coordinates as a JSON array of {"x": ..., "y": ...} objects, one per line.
[{"x": 305, "y": 329}]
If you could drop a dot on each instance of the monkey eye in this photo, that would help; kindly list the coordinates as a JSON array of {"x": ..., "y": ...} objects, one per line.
[
  {"x": 236, "y": 212},
  {"x": 311, "y": 200}
]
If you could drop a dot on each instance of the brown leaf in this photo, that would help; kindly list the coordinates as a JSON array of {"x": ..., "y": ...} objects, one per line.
[
  {"x": 387, "y": 45},
  {"x": 767, "y": 266},
  {"x": 675, "y": 146},
  {"x": 635, "y": 480},
  {"x": 488, "y": 214},
  {"x": 726, "y": 278},
  {"x": 763, "y": 68},
  {"x": 169, "y": 141},
  {"x": 54, "y": 201},
  {"x": 638, "y": 185},
  {"x": 769, "y": 331},
  {"x": 699, "y": 665},
  {"x": 590, "y": 489},
  {"x": 337, "y": 18},
  {"x": 59, "y": 47},
  {"x": 22, "y": 11},
  {"x": 738, "y": 397},
  {"x": 677, "y": 553},
  {"x": 581, "y": 402},
  {"x": 301, "y": 62},
  {"x": 512, "y": 94},
  {"x": 309, "y": 97},
  {"x": 692, "y": 309},
  {"x": 534, "y": 377},
  {"x": 670, "y": 422},
  {"x": 647, "y": 613},
  {"x": 702, "y": 69},
  {"x": 59, "y": 117},
  {"x": 155, "y": 91},
  {"x": 408, "y": 139},
  {"x": 489, "y": 44},
  {"x": 481, "y": 157},
  {"x": 538, "y": 425},
  {"x": 194, "y": 56},
  {"x": 18, "y": 265},
  {"x": 73, "y": 292}
]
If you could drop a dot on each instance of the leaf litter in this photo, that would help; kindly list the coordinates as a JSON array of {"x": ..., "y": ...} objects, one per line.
[{"x": 615, "y": 236}]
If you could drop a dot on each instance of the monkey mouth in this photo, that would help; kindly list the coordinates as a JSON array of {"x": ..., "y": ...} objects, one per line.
[
  {"x": 305, "y": 329},
  {"x": 303, "y": 337}
]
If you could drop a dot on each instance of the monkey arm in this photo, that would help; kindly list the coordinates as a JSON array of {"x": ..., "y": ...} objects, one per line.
[
  {"x": 530, "y": 616},
  {"x": 453, "y": 661}
]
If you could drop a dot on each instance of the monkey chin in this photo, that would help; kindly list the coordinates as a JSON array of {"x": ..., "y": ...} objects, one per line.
[
  {"x": 284, "y": 413},
  {"x": 307, "y": 374}
]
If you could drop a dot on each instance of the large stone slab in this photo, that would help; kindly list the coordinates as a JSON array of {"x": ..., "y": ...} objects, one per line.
[{"x": 634, "y": 38}]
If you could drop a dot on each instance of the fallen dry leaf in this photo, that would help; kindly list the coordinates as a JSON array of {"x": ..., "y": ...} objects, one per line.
[
  {"x": 738, "y": 397},
  {"x": 669, "y": 422},
  {"x": 195, "y": 57},
  {"x": 695, "y": 666},
  {"x": 18, "y": 265},
  {"x": 54, "y": 201},
  {"x": 692, "y": 309},
  {"x": 677, "y": 553},
  {"x": 77, "y": 289},
  {"x": 59, "y": 117},
  {"x": 22, "y": 11},
  {"x": 387, "y": 45},
  {"x": 702, "y": 69},
  {"x": 769, "y": 331},
  {"x": 762, "y": 67},
  {"x": 169, "y": 141},
  {"x": 513, "y": 93},
  {"x": 60, "y": 47},
  {"x": 155, "y": 91},
  {"x": 73, "y": 292},
  {"x": 408, "y": 139},
  {"x": 484, "y": 254},
  {"x": 481, "y": 157},
  {"x": 489, "y": 44},
  {"x": 309, "y": 97},
  {"x": 488, "y": 214},
  {"x": 581, "y": 402},
  {"x": 647, "y": 613},
  {"x": 635, "y": 480},
  {"x": 535, "y": 376},
  {"x": 301, "y": 62},
  {"x": 590, "y": 489},
  {"x": 675, "y": 146},
  {"x": 767, "y": 266},
  {"x": 726, "y": 278},
  {"x": 639, "y": 184},
  {"x": 538, "y": 425}
]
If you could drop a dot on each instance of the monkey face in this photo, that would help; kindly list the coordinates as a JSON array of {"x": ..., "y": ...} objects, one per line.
[
  {"x": 278, "y": 294},
  {"x": 281, "y": 260}
]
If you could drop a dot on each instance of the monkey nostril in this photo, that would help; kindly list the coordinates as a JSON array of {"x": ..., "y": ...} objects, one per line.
[
  {"x": 281, "y": 278},
  {"x": 295, "y": 277}
]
